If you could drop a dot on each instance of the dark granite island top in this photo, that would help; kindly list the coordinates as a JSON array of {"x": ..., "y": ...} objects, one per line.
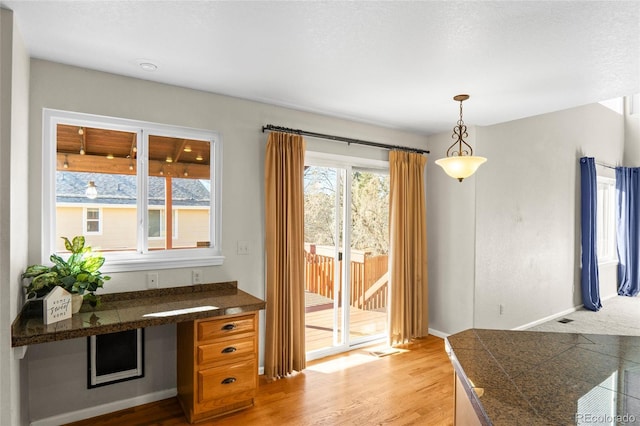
[
  {"x": 137, "y": 309},
  {"x": 540, "y": 378}
]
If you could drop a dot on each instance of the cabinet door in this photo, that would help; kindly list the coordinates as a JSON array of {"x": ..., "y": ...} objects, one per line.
[{"x": 220, "y": 382}]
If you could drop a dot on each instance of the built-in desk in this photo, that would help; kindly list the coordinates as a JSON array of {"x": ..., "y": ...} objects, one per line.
[
  {"x": 540, "y": 378},
  {"x": 131, "y": 310},
  {"x": 217, "y": 338}
]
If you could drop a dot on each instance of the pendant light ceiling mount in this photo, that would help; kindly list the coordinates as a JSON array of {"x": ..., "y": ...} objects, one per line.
[{"x": 460, "y": 162}]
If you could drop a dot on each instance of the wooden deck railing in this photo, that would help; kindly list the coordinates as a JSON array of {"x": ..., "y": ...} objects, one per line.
[{"x": 369, "y": 279}]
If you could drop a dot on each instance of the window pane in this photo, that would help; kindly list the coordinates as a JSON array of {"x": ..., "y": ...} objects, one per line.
[
  {"x": 93, "y": 214},
  {"x": 103, "y": 160},
  {"x": 155, "y": 224},
  {"x": 179, "y": 181},
  {"x": 93, "y": 226}
]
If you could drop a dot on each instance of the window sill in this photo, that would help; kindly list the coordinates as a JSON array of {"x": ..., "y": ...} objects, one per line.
[
  {"x": 136, "y": 262},
  {"x": 607, "y": 263}
]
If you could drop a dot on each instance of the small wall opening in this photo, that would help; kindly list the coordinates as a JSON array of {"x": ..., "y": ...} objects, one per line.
[{"x": 115, "y": 357}]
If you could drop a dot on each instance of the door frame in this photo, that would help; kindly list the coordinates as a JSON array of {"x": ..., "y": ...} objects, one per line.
[{"x": 347, "y": 163}]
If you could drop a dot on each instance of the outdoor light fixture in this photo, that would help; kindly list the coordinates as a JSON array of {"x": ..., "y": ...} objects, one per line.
[
  {"x": 460, "y": 162},
  {"x": 91, "y": 191},
  {"x": 81, "y": 133}
]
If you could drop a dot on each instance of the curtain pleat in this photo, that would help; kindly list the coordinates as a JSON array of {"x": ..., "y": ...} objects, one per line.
[
  {"x": 408, "y": 305},
  {"x": 589, "y": 280},
  {"x": 284, "y": 246},
  {"x": 628, "y": 230}
]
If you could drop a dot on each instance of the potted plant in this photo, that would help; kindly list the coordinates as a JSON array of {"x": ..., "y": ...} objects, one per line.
[{"x": 79, "y": 274}]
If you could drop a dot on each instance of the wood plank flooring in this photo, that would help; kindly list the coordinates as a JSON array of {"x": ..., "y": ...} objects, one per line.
[{"x": 412, "y": 387}]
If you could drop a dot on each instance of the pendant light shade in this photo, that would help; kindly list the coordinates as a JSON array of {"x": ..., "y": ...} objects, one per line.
[
  {"x": 460, "y": 163},
  {"x": 460, "y": 167}
]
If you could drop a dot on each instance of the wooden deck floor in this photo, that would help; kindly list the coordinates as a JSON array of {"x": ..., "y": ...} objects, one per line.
[{"x": 319, "y": 322}]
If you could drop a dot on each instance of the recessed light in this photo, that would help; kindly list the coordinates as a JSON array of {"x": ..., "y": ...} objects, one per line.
[{"x": 147, "y": 65}]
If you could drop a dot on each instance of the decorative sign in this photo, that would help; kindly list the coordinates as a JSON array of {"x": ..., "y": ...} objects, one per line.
[{"x": 56, "y": 305}]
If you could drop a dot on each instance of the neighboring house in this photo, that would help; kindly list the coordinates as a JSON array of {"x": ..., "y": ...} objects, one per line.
[{"x": 109, "y": 221}]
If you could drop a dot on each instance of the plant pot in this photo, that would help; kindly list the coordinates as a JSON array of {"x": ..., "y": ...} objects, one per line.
[{"x": 76, "y": 303}]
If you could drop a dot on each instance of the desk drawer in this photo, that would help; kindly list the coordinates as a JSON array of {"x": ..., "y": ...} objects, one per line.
[
  {"x": 216, "y": 328},
  {"x": 227, "y": 350},
  {"x": 220, "y": 382}
]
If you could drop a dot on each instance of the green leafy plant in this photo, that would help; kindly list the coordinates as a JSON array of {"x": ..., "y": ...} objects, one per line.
[{"x": 79, "y": 274}]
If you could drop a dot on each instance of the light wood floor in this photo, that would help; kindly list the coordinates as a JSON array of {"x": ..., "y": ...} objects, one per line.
[{"x": 412, "y": 387}]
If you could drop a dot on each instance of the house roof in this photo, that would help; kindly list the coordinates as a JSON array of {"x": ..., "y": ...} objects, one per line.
[{"x": 122, "y": 189}]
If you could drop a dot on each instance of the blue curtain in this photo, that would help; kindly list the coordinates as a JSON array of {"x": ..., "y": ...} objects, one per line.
[
  {"x": 628, "y": 230},
  {"x": 589, "y": 280}
]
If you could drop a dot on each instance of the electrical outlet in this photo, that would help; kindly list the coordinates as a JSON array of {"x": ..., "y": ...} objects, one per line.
[
  {"x": 152, "y": 280},
  {"x": 243, "y": 247},
  {"x": 196, "y": 276},
  {"x": 501, "y": 308}
]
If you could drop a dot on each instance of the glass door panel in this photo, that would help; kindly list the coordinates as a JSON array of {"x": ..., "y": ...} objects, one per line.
[
  {"x": 324, "y": 201},
  {"x": 369, "y": 238}
]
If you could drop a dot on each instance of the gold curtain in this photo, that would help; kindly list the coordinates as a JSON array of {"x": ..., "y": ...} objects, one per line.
[
  {"x": 284, "y": 246},
  {"x": 408, "y": 306}
]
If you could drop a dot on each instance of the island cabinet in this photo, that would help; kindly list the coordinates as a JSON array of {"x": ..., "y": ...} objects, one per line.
[{"x": 217, "y": 365}]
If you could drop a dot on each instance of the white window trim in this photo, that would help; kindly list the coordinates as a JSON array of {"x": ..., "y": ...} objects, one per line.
[
  {"x": 142, "y": 259},
  {"x": 85, "y": 220}
]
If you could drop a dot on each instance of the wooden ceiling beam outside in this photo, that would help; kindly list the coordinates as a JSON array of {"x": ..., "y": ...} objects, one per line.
[{"x": 101, "y": 164}]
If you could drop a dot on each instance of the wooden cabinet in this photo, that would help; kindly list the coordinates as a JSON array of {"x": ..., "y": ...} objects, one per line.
[
  {"x": 217, "y": 365},
  {"x": 464, "y": 413}
]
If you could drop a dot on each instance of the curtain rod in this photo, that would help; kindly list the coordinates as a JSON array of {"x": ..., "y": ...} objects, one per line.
[
  {"x": 272, "y": 128},
  {"x": 598, "y": 163}
]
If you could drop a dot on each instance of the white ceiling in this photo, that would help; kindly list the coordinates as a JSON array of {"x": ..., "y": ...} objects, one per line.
[{"x": 396, "y": 64}]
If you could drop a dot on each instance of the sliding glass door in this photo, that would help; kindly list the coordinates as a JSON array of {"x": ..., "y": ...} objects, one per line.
[{"x": 346, "y": 246}]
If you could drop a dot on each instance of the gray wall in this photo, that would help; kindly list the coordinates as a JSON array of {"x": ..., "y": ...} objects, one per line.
[
  {"x": 68, "y": 88},
  {"x": 451, "y": 233},
  {"x": 509, "y": 235},
  {"x": 527, "y": 222},
  {"x": 14, "y": 178}
]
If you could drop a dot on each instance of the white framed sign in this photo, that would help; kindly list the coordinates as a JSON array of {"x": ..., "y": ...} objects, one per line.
[{"x": 56, "y": 306}]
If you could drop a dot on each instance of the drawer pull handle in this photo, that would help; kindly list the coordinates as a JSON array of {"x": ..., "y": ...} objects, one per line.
[
  {"x": 228, "y": 381},
  {"x": 228, "y": 327},
  {"x": 229, "y": 350}
]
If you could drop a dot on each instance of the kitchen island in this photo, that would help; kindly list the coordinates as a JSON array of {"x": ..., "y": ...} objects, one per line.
[{"x": 541, "y": 378}]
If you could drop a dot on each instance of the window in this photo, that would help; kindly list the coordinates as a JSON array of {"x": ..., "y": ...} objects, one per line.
[
  {"x": 119, "y": 177},
  {"x": 92, "y": 221},
  {"x": 606, "y": 220},
  {"x": 157, "y": 224}
]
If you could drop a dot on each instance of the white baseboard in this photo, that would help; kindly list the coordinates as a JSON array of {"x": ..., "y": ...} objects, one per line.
[
  {"x": 549, "y": 318},
  {"x": 558, "y": 315},
  {"x": 438, "y": 333},
  {"x": 100, "y": 410}
]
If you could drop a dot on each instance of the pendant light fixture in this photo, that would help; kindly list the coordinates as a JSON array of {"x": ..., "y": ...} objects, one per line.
[
  {"x": 91, "y": 191},
  {"x": 460, "y": 162}
]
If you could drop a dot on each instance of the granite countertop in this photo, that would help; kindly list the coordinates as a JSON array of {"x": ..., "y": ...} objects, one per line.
[
  {"x": 130, "y": 310},
  {"x": 541, "y": 378}
]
